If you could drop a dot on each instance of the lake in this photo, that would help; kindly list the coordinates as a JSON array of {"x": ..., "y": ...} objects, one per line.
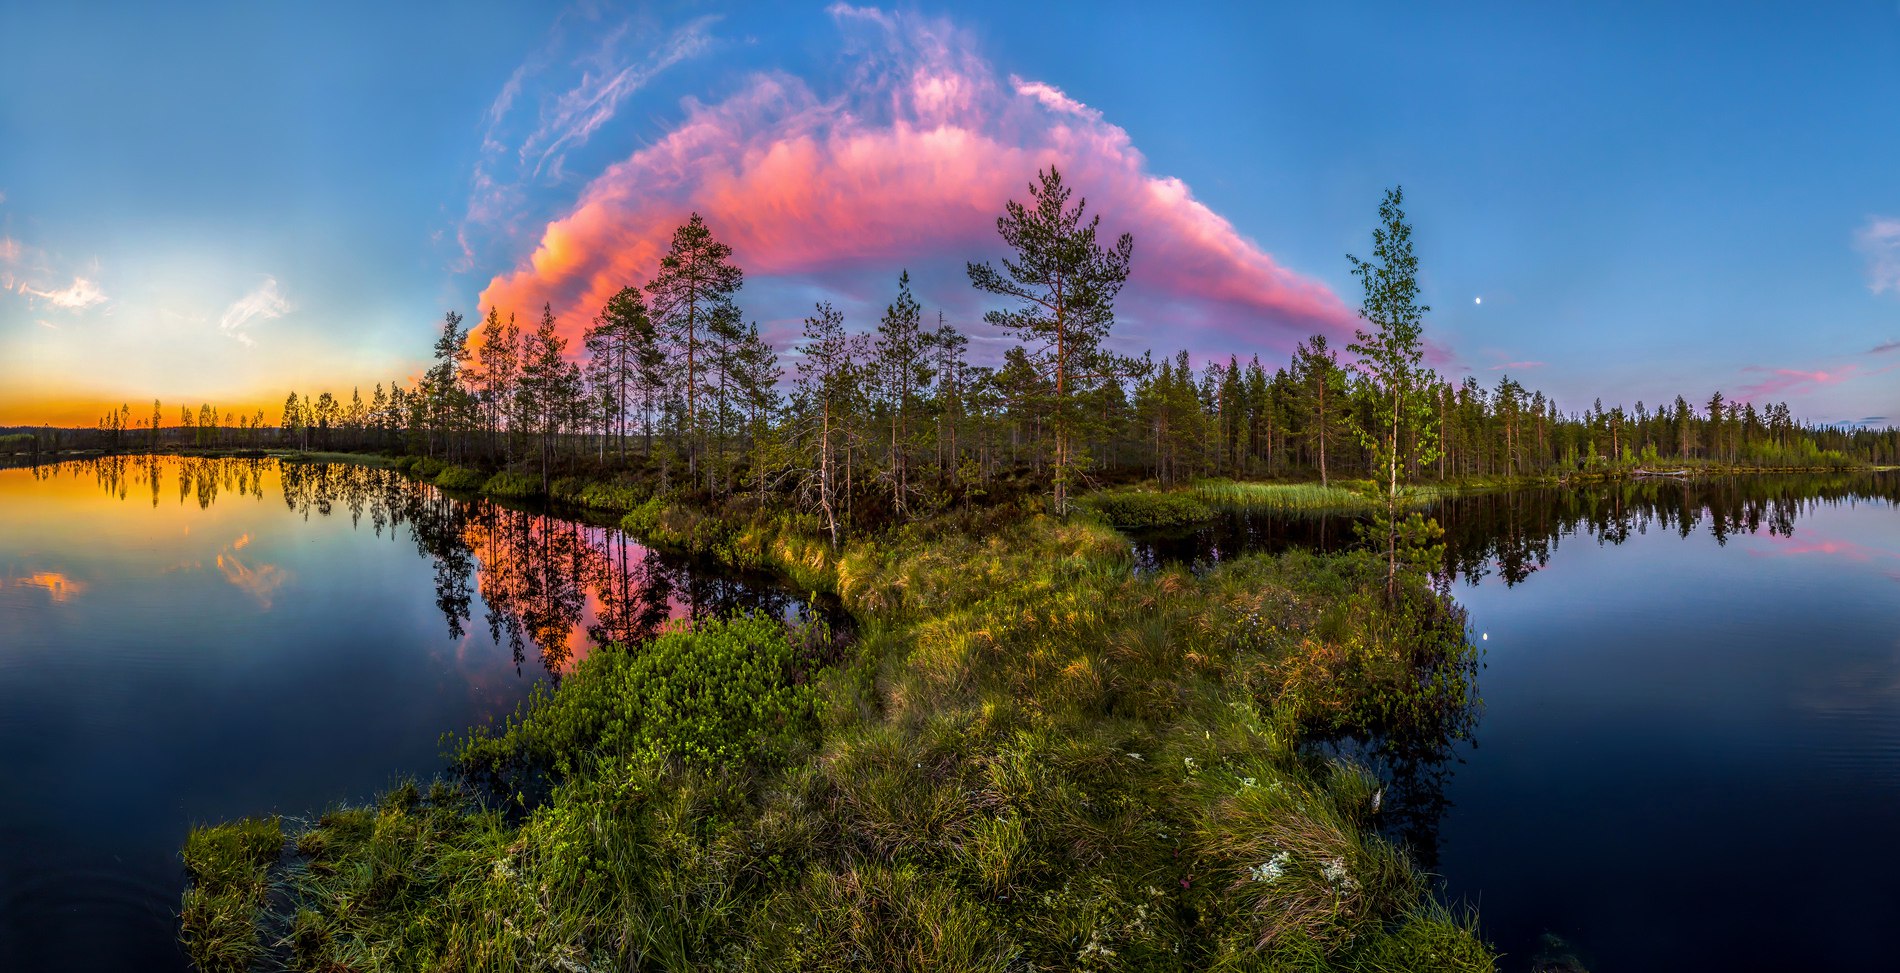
[
  {"x": 1688, "y": 755},
  {"x": 190, "y": 640}
]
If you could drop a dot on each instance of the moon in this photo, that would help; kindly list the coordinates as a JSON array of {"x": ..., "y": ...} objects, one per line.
[{"x": 1477, "y": 300}]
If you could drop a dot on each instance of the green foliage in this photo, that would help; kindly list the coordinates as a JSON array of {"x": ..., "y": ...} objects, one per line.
[
  {"x": 513, "y": 485},
  {"x": 615, "y": 497},
  {"x": 1148, "y": 508},
  {"x": 460, "y": 478},
  {"x": 726, "y": 693},
  {"x": 19, "y": 442},
  {"x": 427, "y": 468},
  {"x": 1229, "y": 495},
  {"x": 1033, "y": 759}
]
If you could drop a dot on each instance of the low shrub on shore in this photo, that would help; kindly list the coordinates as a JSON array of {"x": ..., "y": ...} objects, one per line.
[{"x": 460, "y": 478}]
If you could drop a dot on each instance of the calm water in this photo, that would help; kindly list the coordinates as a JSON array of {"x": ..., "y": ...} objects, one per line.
[
  {"x": 192, "y": 640},
  {"x": 1688, "y": 756}
]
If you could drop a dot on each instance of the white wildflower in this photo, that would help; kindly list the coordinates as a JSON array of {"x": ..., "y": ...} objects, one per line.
[
  {"x": 1133, "y": 755},
  {"x": 1378, "y": 797},
  {"x": 1188, "y": 762},
  {"x": 1272, "y": 869},
  {"x": 1334, "y": 871},
  {"x": 1095, "y": 949},
  {"x": 1248, "y": 782}
]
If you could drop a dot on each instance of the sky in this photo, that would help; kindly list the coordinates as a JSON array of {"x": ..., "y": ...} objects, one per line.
[{"x": 224, "y": 202}]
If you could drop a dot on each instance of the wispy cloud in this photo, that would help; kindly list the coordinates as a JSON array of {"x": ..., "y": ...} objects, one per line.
[
  {"x": 908, "y": 161},
  {"x": 1879, "y": 243},
  {"x": 265, "y": 302},
  {"x": 79, "y": 296},
  {"x": 1517, "y": 365},
  {"x": 1780, "y": 381},
  {"x": 525, "y": 141},
  {"x": 1884, "y": 347},
  {"x": 573, "y": 117}
]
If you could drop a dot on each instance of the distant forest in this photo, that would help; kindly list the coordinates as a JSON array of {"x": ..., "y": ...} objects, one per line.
[{"x": 672, "y": 383}]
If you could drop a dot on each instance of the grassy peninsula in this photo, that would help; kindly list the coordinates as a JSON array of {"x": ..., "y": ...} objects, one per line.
[{"x": 1025, "y": 756}]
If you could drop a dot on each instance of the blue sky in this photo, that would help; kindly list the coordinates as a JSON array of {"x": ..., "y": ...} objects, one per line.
[{"x": 223, "y": 202}]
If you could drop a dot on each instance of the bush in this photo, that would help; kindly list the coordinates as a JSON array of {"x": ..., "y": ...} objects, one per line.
[
  {"x": 427, "y": 468},
  {"x": 513, "y": 484},
  {"x": 460, "y": 478},
  {"x": 729, "y": 692}
]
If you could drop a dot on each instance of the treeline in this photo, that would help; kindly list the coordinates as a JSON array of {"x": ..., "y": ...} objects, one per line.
[{"x": 886, "y": 422}]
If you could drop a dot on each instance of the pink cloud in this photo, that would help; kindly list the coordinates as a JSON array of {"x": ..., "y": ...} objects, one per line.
[
  {"x": 1779, "y": 546},
  {"x": 1518, "y": 365},
  {"x": 911, "y": 165},
  {"x": 1783, "y": 380}
]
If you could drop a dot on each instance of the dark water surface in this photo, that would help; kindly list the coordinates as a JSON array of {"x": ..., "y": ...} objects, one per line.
[
  {"x": 1688, "y": 755},
  {"x": 192, "y": 640}
]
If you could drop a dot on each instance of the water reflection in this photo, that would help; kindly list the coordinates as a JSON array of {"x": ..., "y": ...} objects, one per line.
[
  {"x": 549, "y": 587},
  {"x": 1510, "y": 535},
  {"x": 1513, "y": 533}
]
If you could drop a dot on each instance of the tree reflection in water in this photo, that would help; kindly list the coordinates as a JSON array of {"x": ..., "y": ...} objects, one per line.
[
  {"x": 551, "y": 588},
  {"x": 1512, "y": 534}
]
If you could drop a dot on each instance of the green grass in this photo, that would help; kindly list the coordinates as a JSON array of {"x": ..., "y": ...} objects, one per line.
[
  {"x": 1028, "y": 758},
  {"x": 1343, "y": 496},
  {"x": 222, "y": 911},
  {"x": 1138, "y": 508},
  {"x": 1231, "y": 495},
  {"x": 378, "y": 460}
]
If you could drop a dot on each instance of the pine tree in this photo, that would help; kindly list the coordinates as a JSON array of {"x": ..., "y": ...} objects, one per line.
[
  {"x": 692, "y": 290},
  {"x": 902, "y": 371},
  {"x": 1389, "y": 356},
  {"x": 1066, "y": 283}
]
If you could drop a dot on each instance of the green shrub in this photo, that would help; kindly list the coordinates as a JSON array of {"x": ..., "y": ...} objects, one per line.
[
  {"x": 725, "y": 693},
  {"x": 513, "y": 484},
  {"x": 460, "y": 478},
  {"x": 427, "y": 468},
  {"x": 617, "y": 497}
]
